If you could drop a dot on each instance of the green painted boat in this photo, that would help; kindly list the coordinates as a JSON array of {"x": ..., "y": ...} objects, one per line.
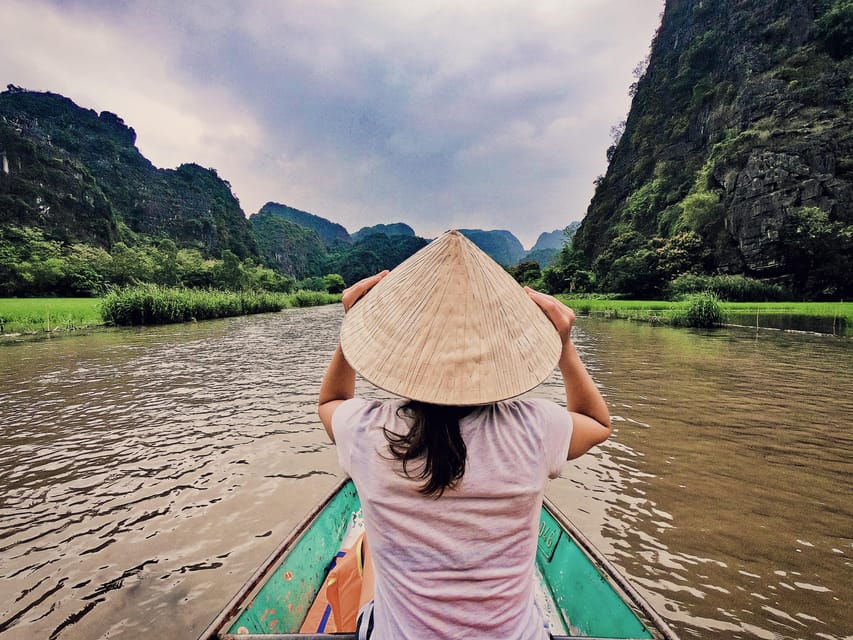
[{"x": 585, "y": 596}]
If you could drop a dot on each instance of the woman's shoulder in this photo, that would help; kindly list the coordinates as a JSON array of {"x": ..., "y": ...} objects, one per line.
[
  {"x": 528, "y": 405},
  {"x": 358, "y": 409},
  {"x": 536, "y": 413}
]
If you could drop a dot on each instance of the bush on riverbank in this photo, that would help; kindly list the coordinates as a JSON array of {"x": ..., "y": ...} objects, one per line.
[
  {"x": 152, "y": 304},
  {"x": 732, "y": 288},
  {"x": 312, "y": 298},
  {"x": 821, "y": 317},
  {"x": 701, "y": 310}
]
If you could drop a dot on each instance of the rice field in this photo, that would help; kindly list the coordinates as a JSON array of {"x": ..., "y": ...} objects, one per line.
[
  {"x": 30, "y": 315},
  {"x": 821, "y": 317}
]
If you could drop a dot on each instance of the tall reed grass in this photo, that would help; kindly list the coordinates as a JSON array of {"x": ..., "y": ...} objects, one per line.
[{"x": 153, "y": 304}]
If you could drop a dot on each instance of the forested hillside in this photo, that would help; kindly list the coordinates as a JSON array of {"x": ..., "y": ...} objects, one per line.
[
  {"x": 393, "y": 229},
  {"x": 287, "y": 246},
  {"x": 736, "y": 156},
  {"x": 328, "y": 231},
  {"x": 502, "y": 246}
]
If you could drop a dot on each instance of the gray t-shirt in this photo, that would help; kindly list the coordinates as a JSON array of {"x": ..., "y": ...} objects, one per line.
[{"x": 461, "y": 565}]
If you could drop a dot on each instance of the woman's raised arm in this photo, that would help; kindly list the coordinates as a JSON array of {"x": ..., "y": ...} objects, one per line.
[{"x": 590, "y": 417}]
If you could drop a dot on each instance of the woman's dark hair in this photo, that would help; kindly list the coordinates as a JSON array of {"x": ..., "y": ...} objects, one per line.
[{"x": 435, "y": 441}]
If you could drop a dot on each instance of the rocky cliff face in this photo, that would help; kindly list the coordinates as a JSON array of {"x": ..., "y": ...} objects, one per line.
[
  {"x": 288, "y": 247},
  {"x": 78, "y": 176},
  {"x": 740, "y": 132}
]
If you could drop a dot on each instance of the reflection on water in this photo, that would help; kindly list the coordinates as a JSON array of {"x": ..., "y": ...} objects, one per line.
[
  {"x": 831, "y": 325},
  {"x": 726, "y": 490},
  {"x": 148, "y": 469}
]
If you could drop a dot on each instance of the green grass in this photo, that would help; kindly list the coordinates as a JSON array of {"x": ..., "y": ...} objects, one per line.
[
  {"x": 28, "y": 315},
  {"x": 147, "y": 304},
  {"x": 815, "y": 309},
  {"x": 823, "y": 317}
]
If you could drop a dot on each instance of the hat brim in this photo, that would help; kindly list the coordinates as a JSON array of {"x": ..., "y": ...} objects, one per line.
[{"x": 450, "y": 326}]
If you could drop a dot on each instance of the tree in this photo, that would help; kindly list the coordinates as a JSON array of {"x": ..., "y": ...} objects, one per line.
[
  {"x": 819, "y": 251},
  {"x": 314, "y": 283},
  {"x": 192, "y": 269},
  {"x": 266, "y": 279},
  {"x": 554, "y": 279},
  {"x": 634, "y": 274},
  {"x": 229, "y": 273},
  {"x": 165, "y": 257},
  {"x": 526, "y": 273},
  {"x": 86, "y": 270},
  {"x": 130, "y": 265},
  {"x": 569, "y": 272},
  {"x": 684, "y": 253},
  {"x": 582, "y": 281},
  {"x": 334, "y": 283}
]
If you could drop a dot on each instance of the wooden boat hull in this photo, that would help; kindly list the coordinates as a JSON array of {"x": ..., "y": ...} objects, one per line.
[{"x": 592, "y": 599}]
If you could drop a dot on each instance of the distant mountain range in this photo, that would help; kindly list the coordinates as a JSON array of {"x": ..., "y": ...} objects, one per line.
[
  {"x": 294, "y": 242},
  {"x": 77, "y": 177},
  {"x": 549, "y": 244},
  {"x": 285, "y": 248}
]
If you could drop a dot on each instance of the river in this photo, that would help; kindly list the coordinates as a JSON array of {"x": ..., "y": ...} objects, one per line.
[{"x": 146, "y": 473}]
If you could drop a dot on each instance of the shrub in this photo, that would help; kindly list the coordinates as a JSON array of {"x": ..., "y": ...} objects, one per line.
[
  {"x": 732, "y": 288},
  {"x": 313, "y": 298},
  {"x": 334, "y": 283},
  {"x": 152, "y": 304},
  {"x": 701, "y": 310},
  {"x": 700, "y": 210}
]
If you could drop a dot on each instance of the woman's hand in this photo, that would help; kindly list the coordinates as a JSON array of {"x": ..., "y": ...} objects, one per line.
[
  {"x": 352, "y": 294},
  {"x": 561, "y": 316},
  {"x": 339, "y": 382}
]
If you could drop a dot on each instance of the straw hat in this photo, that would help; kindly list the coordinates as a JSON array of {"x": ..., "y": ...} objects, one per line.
[{"x": 450, "y": 326}]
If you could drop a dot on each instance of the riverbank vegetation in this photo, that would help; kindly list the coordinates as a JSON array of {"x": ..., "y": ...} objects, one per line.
[
  {"x": 29, "y": 315},
  {"x": 32, "y": 264},
  {"x": 822, "y": 317},
  {"x": 145, "y": 305}
]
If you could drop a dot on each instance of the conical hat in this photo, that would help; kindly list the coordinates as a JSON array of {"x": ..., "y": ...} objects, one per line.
[{"x": 450, "y": 326}]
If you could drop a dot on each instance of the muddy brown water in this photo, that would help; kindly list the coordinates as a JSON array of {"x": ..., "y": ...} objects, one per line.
[{"x": 144, "y": 474}]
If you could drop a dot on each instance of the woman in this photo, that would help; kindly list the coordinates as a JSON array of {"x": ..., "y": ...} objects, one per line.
[{"x": 452, "y": 475}]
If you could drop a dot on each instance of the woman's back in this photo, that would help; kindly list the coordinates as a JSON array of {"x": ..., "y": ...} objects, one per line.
[
  {"x": 452, "y": 506},
  {"x": 460, "y": 565}
]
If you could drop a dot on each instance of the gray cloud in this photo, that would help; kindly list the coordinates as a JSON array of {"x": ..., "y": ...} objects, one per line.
[{"x": 439, "y": 114}]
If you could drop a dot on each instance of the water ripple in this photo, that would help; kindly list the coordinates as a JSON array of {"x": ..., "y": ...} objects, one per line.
[
  {"x": 152, "y": 448},
  {"x": 146, "y": 473}
]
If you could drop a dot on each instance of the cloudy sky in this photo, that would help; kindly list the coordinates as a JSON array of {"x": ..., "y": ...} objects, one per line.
[{"x": 491, "y": 114}]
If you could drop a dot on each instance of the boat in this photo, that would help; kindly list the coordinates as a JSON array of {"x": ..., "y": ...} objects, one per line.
[{"x": 580, "y": 591}]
